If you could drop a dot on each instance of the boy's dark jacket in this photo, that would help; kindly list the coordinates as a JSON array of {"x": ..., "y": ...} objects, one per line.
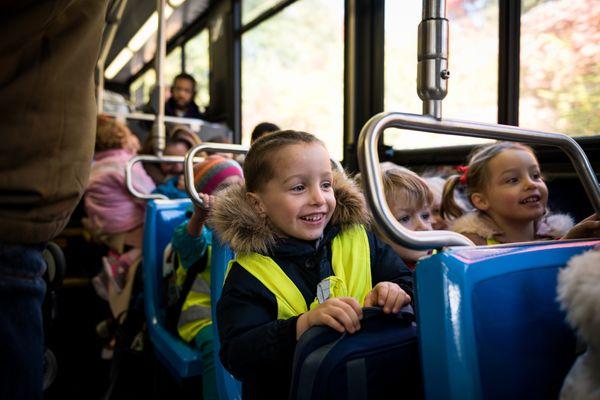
[{"x": 256, "y": 347}]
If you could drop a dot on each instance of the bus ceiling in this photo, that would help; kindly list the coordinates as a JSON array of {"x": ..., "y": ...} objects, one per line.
[{"x": 134, "y": 41}]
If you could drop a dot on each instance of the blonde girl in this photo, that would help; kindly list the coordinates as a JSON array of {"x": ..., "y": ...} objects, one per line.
[{"x": 505, "y": 185}]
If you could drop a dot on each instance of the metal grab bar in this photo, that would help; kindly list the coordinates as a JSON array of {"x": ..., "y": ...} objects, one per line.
[
  {"x": 189, "y": 164},
  {"x": 167, "y": 118},
  {"x": 151, "y": 159},
  {"x": 369, "y": 165}
]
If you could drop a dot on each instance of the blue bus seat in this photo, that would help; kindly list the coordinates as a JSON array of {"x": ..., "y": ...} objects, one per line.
[
  {"x": 489, "y": 323},
  {"x": 228, "y": 387},
  {"x": 162, "y": 217}
]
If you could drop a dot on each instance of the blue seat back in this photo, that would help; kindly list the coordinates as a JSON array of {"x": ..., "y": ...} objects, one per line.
[
  {"x": 229, "y": 388},
  {"x": 489, "y": 323},
  {"x": 162, "y": 217}
]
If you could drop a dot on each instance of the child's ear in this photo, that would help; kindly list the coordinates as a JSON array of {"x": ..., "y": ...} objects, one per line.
[
  {"x": 480, "y": 201},
  {"x": 256, "y": 202}
]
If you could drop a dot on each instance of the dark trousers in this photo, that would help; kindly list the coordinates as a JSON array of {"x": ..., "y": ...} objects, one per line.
[{"x": 22, "y": 290}]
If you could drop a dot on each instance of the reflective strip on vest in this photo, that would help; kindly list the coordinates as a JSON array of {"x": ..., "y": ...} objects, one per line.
[
  {"x": 350, "y": 259},
  {"x": 196, "y": 310}
]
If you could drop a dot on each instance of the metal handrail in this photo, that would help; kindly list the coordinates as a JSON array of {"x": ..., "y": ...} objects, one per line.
[
  {"x": 189, "y": 164},
  {"x": 373, "y": 185},
  {"x": 158, "y": 129},
  {"x": 151, "y": 159},
  {"x": 167, "y": 118}
]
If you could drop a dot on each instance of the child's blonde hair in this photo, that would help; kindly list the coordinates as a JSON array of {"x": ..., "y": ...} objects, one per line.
[
  {"x": 258, "y": 168},
  {"x": 110, "y": 133},
  {"x": 476, "y": 177},
  {"x": 403, "y": 182}
]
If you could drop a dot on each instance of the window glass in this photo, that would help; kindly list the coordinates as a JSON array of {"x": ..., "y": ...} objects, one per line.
[
  {"x": 253, "y": 8},
  {"x": 172, "y": 66},
  {"x": 473, "y": 62},
  {"x": 197, "y": 64},
  {"x": 293, "y": 71},
  {"x": 141, "y": 87},
  {"x": 560, "y": 66}
]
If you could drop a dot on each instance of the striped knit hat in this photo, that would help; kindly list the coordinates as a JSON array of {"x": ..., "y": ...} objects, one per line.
[{"x": 211, "y": 172}]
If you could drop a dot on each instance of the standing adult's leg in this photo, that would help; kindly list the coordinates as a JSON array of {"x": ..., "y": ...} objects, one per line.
[
  {"x": 48, "y": 51},
  {"x": 21, "y": 331}
]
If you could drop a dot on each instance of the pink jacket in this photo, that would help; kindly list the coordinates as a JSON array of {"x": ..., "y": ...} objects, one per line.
[{"x": 108, "y": 204}]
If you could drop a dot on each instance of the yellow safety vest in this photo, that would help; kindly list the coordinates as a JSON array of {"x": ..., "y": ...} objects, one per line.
[
  {"x": 351, "y": 262},
  {"x": 196, "y": 311}
]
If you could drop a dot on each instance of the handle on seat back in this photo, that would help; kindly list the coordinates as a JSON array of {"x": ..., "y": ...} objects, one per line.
[
  {"x": 189, "y": 164},
  {"x": 368, "y": 160},
  {"x": 150, "y": 159}
]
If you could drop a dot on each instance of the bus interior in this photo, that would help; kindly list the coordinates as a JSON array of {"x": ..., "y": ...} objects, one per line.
[{"x": 417, "y": 83}]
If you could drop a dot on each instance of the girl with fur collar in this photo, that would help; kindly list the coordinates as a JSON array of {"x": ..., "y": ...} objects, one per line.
[
  {"x": 294, "y": 218},
  {"x": 505, "y": 185}
]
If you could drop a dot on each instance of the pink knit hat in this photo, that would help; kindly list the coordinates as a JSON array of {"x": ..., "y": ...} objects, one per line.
[{"x": 211, "y": 172}]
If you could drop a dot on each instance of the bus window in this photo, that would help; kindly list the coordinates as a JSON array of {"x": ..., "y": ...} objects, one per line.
[
  {"x": 253, "y": 8},
  {"x": 293, "y": 71},
  {"x": 141, "y": 87},
  {"x": 197, "y": 63},
  {"x": 560, "y": 66},
  {"x": 172, "y": 65}
]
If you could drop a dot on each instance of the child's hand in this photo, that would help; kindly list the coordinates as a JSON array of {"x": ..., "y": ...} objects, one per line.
[
  {"x": 200, "y": 215},
  {"x": 588, "y": 228},
  {"x": 388, "y": 295},
  {"x": 339, "y": 313}
]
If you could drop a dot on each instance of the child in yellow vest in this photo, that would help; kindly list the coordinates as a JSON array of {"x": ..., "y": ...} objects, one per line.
[
  {"x": 191, "y": 241},
  {"x": 304, "y": 258}
]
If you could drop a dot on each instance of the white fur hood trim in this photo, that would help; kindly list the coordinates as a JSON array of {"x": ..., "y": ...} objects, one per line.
[{"x": 477, "y": 223}]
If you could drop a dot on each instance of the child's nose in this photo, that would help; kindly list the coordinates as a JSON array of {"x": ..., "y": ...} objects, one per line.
[
  {"x": 317, "y": 196},
  {"x": 422, "y": 225},
  {"x": 529, "y": 183}
]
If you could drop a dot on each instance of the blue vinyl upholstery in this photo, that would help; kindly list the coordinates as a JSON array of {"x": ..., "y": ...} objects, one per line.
[
  {"x": 162, "y": 216},
  {"x": 229, "y": 388},
  {"x": 489, "y": 323}
]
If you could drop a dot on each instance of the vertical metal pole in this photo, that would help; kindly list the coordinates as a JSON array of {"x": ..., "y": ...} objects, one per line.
[
  {"x": 100, "y": 87},
  {"x": 432, "y": 70},
  {"x": 158, "y": 129},
  {"x": 236, "y": 69},
  {"x": 113, "y": 18},
  {"x": 350, "y": 83}
]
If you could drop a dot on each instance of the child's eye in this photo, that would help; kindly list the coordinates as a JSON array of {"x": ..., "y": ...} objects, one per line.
[
  {"x": 326, "y": 185},
  {"x": 512, "y": 180},
  {"x": 404, "y": 219},
  {"x": 537, "y": 176},
  {"x": 298, "y": 188},
  {"x": 425, "y": 216}
]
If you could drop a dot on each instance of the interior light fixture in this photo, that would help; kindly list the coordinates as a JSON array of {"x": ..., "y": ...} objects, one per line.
[
  {"x": 139, "y": 40},
  {"x": 175, "y": 3},
  {"x": 118, "y": 63}
]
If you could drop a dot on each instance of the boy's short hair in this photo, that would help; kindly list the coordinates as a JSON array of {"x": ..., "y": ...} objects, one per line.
[
  {"x": 262, "y": 128},
  {"x": 110, "y": 133},
  {"x": 258, "y": 168},
  {"x": 186, "y": 76},
  {"x": 402, "y": 181}
]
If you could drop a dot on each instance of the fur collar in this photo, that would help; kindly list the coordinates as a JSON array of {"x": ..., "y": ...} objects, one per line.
[
  {"x": 236, "y": 222},
  {"x": 551, "y": 226}
]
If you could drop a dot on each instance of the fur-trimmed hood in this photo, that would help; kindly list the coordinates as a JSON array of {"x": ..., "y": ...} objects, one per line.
[
  {"x": 238, "y": 224},
  {"x": 478, "y": 224}
]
